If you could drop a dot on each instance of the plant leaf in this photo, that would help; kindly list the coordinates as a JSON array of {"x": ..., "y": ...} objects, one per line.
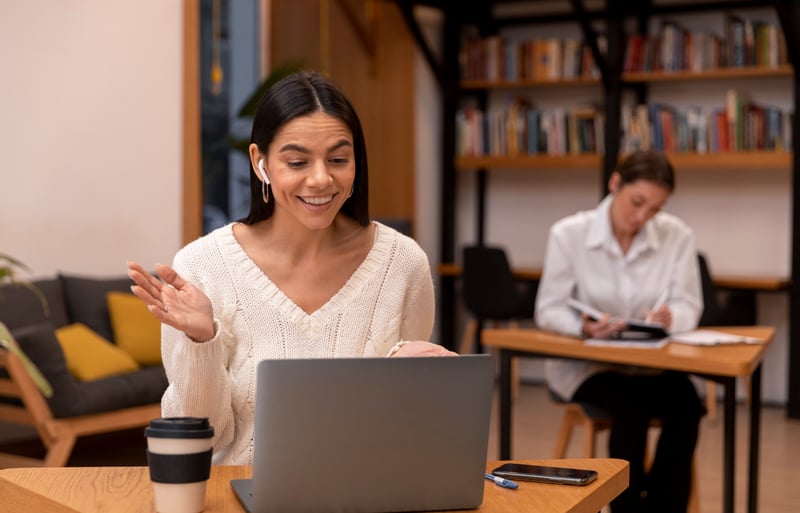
[
  {"x": 250, "y": 105},
  {"x": 7, "y": 275},
  {"x": 8, "y": 342}
]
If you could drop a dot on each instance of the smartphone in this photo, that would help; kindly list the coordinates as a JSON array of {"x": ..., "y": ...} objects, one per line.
[{"x": 543, "y": 474}]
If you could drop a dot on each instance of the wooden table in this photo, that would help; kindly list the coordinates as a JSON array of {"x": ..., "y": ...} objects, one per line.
[
  {"x": 723, "y": 364},
  {"x": 129, "y": 490},
  {"x": 738, "y": 282}
]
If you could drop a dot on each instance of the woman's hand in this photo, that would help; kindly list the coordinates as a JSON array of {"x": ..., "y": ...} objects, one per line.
[
  {"x": 423, "y": 348},
  {"x": 174, "y": 301},
  {"x": 603, "y": 328},
  {"x": 663, "y": 316}
]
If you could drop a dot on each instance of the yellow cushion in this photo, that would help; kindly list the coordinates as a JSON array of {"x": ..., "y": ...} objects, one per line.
[
  {"x": 89, "y": 356},
  {"x": 136, "y": 330}
]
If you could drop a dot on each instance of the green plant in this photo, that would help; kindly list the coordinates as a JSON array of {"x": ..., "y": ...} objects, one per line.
[
  {"x": 9, "y": 267},
  {"x": 248, "y": 108}
]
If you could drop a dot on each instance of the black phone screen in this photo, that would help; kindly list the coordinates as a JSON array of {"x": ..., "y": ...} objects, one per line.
[{"x": 547, "y": 474}]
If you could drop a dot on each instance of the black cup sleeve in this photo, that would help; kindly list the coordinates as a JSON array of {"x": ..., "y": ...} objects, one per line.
[{"x": 179, "y": 468}]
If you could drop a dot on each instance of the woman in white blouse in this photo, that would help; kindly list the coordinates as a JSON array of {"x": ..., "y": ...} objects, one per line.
[{"x": 630, "y": 260}]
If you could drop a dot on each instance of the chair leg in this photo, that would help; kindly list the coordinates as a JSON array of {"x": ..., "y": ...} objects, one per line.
[
  {"x": 589, "y": 435},
  {"x": 711, "y": 399},
  {"x": 515, "y": 384},
  {"x": 565, "y": 433},
  {"x": 694, "y": 493},
  {"x": 573, "y": 417},
  {"x": 466, "y": 345},
  {"x": 59, "y": 451}
]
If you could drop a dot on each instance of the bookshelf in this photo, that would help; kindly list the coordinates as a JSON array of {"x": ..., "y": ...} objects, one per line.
[
  {"x": 614, "y": 83},
  {"x": 726, "y": 73}
]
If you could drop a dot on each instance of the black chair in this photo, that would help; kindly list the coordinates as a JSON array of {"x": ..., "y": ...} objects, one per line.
[
  {"x": 491, "y": 293},
  {"x": 729, "y": 308}
]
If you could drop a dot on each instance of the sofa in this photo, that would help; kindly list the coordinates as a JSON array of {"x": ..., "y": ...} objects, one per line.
[{"x": 97, "y": 346}]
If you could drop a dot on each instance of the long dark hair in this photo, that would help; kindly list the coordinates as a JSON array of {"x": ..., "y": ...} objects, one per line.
[{"x": 302, "y": 94}]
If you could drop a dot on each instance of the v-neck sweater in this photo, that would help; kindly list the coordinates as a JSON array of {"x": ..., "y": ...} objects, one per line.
[{"x": 389, "y": 298}]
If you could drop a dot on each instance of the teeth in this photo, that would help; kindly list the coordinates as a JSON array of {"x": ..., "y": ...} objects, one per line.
[{"x": 317, "y": 200}]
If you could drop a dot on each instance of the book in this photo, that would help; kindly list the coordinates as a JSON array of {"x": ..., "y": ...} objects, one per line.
[{"x": 637, "y": 329}]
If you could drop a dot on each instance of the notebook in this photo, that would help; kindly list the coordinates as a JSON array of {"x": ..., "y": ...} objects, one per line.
[
  {"x": 369, "y": 435},
  {"x": 636, "y": 329}
]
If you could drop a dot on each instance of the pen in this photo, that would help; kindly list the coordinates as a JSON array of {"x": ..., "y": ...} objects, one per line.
[
  {"x": 500, "y": 481},
  {"x": 659, "y": 302}
]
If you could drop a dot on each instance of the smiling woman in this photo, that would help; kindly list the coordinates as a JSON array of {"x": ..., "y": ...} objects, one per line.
[
  {"x": 305, "y": 275},
  {"x": 310, "y": 159}
]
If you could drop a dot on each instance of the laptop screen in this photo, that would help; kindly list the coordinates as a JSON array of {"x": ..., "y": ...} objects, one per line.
[{"x": 371, "y": 435}]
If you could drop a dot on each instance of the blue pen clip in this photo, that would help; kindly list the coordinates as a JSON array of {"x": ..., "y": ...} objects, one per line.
[{"x": 501, "y": 481}]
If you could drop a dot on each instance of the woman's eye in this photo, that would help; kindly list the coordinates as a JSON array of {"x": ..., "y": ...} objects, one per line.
[
  {"x": 340, "y": 161},
  {"x": 296, "y": 164}
]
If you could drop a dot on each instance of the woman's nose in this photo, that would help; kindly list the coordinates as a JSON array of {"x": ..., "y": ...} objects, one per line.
[{"x": 319, "y": 174}]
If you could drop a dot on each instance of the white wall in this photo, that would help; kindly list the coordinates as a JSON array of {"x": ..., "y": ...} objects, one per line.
[
  {"x": 427, "y": 141},
  {"x": 90, "y": 133},
  {"x": 741, "y": 217}
]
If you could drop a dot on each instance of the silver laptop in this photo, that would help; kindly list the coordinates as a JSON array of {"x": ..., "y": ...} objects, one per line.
[{"x": 370, "y": 435}]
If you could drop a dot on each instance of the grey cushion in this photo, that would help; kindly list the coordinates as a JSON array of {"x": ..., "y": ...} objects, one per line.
[
  {"x": 87, "y": 303},
  {"x": 39, "y": 342},
  {"x": 20, "y": 306},
  {"x": 72, "y": 397}
]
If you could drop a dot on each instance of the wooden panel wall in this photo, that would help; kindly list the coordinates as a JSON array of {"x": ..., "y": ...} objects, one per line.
[
  {"x": 192, "y": 188},
  {"x": 378, "y": 78}
]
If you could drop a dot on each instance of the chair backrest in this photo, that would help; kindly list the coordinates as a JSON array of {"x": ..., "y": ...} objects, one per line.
[
  {"x": 739, "y": 307},
  {"x": 711, "y": 306},
  {"x": 489, "y": 288}
]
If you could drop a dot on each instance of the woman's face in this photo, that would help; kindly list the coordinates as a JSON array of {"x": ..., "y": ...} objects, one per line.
[
  {"x": 634, "y": 204},
  {"x": 311, "y": 166}
]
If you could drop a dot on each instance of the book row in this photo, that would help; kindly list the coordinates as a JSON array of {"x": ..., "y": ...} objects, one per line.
[
  {"x": 496, "y": 58},
  {"x": 674, "y": 48},
  {"x": 522, "y": 130},
  {"x": 744, "y": 43},
  {"x": 739, "y": 125}
]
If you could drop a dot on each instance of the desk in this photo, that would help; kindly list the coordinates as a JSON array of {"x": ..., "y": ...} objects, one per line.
[
  {"x": 129, "y": 490},
  {"x": 753, "y": 283},
  {"x": 719, "y": 363}
]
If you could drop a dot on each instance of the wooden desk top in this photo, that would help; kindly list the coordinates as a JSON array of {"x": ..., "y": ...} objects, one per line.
[
  {"x": 763, "y": 283},
  {"x": 129, "y": 490},
  {"x": 721, "y": 360}
]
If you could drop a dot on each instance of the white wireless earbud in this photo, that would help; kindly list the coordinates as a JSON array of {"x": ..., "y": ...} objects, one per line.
[{"x": 263, "y": 173}]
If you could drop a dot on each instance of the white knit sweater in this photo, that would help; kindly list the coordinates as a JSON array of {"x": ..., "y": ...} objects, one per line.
[{"x": 389, "y": 298}]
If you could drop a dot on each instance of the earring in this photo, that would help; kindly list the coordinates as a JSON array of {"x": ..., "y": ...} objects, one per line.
[
  {"x": 264, "y": 192},
  {"x": 352, "y": 188}
]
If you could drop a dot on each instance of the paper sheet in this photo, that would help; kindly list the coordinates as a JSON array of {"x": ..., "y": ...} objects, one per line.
[
  {"x": 711, "y": 338},
  {"x": 642, "y": 344}
]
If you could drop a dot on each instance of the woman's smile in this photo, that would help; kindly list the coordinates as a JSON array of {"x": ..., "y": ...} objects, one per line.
[{"x": 317, "y": 200}]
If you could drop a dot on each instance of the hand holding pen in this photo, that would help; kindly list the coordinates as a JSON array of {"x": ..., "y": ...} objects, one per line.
[{"x": 660, "y": 313}]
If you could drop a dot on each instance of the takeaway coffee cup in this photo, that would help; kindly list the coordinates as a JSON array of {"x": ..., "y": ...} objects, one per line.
[{"x": 179, "y": 457}]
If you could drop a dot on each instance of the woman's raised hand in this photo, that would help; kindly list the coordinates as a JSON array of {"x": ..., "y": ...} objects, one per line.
[{"x": 174, "y": 301}]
